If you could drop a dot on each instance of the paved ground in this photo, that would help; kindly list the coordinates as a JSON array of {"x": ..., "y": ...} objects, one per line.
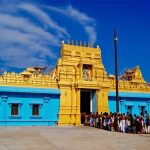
[{"x": 69, "y": 138}]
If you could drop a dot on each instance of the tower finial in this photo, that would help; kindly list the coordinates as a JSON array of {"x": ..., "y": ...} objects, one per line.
[
  {"x": 88, "y": 44},
  {"x": 68, "y": 42},
  {"x": 92, "y": 44},
  {"x": 72, "y": 42},
  {"x": 80, "y": 43},
  {"x": 84, "y": 44},
  {"x": 76, "y": 43}
]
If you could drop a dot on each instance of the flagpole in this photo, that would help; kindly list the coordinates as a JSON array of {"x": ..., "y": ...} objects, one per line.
[{"x": 116, "y": 69}]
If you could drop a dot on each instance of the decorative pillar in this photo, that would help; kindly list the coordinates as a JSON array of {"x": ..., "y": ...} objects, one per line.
[
  {"x": 102, "y": 99},
  {"x": 4, "y": 113},
  {"x": 46, "y": 100},
  {"x": 78, "y": 115},
  {"x": 81, "y": 71},
  {"x": 65, "y": 106},
  {"x": 46, "y": 109},
  {"x": 122, "y": 106},
  {"x": 93, "y": 73},
  {"x": 73, "y": 106}
]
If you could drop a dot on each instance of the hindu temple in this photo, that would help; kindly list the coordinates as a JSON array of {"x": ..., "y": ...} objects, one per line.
[{"x": 77, "y": 85}]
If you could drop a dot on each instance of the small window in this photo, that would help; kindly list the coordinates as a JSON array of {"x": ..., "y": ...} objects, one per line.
[
  {"x": 14, "y": 109},
  {"x": 35, "y": 110}
]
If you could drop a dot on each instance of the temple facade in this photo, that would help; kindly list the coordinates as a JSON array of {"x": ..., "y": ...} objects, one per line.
[{"x": 77, "y": 85}]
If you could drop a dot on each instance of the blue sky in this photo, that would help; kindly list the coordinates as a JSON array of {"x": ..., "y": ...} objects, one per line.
[{"x": 31, "y": 31}]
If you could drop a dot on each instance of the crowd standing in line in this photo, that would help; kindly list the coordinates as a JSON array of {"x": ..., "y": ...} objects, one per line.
[{"x": 119, "y": 122}]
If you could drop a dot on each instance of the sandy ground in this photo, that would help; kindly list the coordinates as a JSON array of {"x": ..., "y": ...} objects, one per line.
[{"x": 69, "y": 138}]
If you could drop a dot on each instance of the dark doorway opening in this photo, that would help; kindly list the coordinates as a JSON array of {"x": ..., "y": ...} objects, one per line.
[{"x": 85, "y": 100}]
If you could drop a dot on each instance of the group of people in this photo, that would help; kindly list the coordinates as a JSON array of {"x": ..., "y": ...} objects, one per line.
[{"x": 119, "y": 122}]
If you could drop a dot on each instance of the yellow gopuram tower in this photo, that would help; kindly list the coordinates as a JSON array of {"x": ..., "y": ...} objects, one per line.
[{"x": 83, "y": 82}]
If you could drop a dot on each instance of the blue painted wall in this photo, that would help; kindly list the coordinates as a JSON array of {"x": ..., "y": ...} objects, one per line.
[
  {"x": 126, "y": 99},
  {"x": 47, "y": 99}
]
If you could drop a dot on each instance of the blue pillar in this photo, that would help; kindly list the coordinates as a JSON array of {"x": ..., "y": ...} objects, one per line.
[
  {"x": 4, "y": 113},
  {"x": 46, "y": 108},
  {"x": 122, "y": 106}
]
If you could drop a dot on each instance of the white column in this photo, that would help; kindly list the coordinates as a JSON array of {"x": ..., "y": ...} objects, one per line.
[{"x": 91, "y": 100}]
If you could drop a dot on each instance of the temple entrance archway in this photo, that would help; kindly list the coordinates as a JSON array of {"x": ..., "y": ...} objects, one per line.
[{"x": 88, "y": 103}]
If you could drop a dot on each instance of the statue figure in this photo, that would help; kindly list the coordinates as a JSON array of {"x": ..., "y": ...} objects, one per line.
[{"x": 85, "y": 73}]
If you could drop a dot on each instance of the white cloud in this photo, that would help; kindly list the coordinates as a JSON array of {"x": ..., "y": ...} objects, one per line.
[
  {"x": 81, "y": 17},
  {"x": 25, "y": 41},
  {"x": 87, "y": 22},
  {"x": 43, "y": 17},
  {"x": 22, "y": 44},
  {"x": 91, "y": 32},
  {"x": 25, "y": 26}
]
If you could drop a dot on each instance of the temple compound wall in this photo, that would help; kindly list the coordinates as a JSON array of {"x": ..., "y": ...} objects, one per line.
[
  {"x": 133, "y": 103},
  {"x": 76, "y": 86},
  {"x": 134, "y": 92},
  {"x": 28, "y": 106}
]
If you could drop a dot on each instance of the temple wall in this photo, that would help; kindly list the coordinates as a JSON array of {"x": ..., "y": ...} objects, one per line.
[
  {"x": 130, "y": 86},
  {"x": 13, "y": 79},
  {"x": 21, "y": 106},
  {"x": 130, "y": 101}
]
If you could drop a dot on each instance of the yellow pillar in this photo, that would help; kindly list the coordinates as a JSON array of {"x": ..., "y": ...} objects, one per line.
[
  {"x": 65, "y": 106},
  {"x": 73, "y": 106},
  {"x": 78, "y": 116},
  {"x": 102, "y": 98}
]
